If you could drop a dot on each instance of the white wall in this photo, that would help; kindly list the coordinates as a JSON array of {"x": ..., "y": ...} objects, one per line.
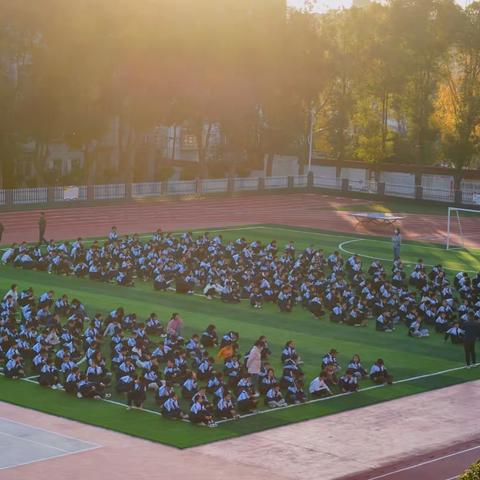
[{"x": 284, "y": 165}]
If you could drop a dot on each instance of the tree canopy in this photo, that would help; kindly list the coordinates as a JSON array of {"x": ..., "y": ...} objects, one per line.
[{"x": 397, "y": 81}]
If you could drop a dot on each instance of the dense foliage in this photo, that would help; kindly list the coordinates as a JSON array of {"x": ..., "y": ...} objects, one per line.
[{"x": 397, "y": 81}]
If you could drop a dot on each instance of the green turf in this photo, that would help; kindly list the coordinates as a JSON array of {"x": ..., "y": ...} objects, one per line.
[{"x": 406, "y": 357}]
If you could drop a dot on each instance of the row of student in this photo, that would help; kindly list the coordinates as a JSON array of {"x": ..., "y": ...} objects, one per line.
[
  {"x": 431, "y": 302},
  {"x": 54, "y": 351},
  {"x": 261, "y": 273}
]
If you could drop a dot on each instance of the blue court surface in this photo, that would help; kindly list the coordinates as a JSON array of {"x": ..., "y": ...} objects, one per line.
[{"x": 22, "y": 444}]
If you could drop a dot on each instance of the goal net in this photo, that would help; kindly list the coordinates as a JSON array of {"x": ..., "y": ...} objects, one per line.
[{"x": 462, "y": 231}]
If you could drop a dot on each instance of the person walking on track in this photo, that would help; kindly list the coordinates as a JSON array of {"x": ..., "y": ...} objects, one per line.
[
  {"x": 396, "y": 243},
  {"x": 472, "y": 332},
  {"x": 42, "y": 227}
]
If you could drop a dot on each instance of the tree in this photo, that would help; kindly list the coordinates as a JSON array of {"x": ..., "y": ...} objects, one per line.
[{"x": 458, "y": 99}]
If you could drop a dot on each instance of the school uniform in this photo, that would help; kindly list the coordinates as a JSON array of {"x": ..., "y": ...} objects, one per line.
[
  {"x": 274, "y": 398},
  {"x": 319, "y": 388}
]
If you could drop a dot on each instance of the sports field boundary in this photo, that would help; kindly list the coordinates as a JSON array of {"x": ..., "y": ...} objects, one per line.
[{"x": 270, "y": 410}]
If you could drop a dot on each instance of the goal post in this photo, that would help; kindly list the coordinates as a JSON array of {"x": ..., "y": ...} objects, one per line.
[{"x": 455, "y": 234}]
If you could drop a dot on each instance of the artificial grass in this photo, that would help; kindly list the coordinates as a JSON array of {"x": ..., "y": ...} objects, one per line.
[{"x": 406, "y": 357}]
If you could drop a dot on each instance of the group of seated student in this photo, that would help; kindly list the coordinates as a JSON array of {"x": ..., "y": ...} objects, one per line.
[
  {"x": 323, "y": 284},
  {"x": 54, "y": 340}
]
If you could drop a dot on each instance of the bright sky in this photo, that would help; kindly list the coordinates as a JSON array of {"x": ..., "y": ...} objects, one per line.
[{"x": 324, "y": 5}]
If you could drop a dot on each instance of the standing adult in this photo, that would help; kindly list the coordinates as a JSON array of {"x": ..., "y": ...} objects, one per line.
[
  {"x": 396, "y": 243},
  {"x": 42, "y": 227},
  {"x": 472, "y": 332},
  {"x": 175, "y": 325},
  {"x": 254, "y": 362}
]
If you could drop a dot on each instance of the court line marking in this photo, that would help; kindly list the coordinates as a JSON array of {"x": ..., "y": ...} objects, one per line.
[
  {"x": 43, "y": 459},
  {"x": 427, "y": 462},
  {"x": 42, "y": 444},
  {"x": 348, "y": 242},
  {"x": 97, "y": 445}
]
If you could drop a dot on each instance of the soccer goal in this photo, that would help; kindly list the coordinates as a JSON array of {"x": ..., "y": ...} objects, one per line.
[{"x": 455, "y": 228}]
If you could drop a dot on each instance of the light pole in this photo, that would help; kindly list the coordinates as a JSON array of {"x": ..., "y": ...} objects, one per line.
[{"x": 310, "y": 138}]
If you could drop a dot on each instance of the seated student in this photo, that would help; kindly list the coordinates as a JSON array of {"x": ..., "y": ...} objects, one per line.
[
  {"x": 256, "y": 298},
  {"x": 338, "y": 313},
  {"x": 441, "y": 323},
  {"x": 416, "y": 330},
  {"x": 86, "y": 389},
  {"x": 49, "y": 376},
  {"x": 331, "y": 378},
  {"x": 190, "y": 386},
  {"x": 171, "y": 409},
  {"x": 153, "y": 325},
  {"x": 205, "y": 368},
  {"x": 246, "y": 401},
  {"x": 285, "y": 299},
  {"x": 289, "y": 352},
  {"x": 267, "y": 381},
  {"x": 314, "y": 305},
  {"x": 160, "y": 282},
  {"x": 274, "y": 397},
  {"x": 356, "y": 367},
  {"x": 384, "y": 322},
  {"x": 331, "y": 359},
  {"x": 379, "y": 374},
  {"x": 349, "y": 382},
  {"x": 230, "y": 338},
  {"x": 124, "y": 383},
  {"x": 225, "y": 407},
  {"x": 137, "y": 394},
  {"x": 455, "y": 333},
  {"x": 193, "y": 346},
  {"x": 295, "y": 393},
  {"x": 318, "y": 386},
  {"x": 163, "y": 393},
  {"x": 171, "y": 373},
  {"x": 209, "y": 337},
  {"x": 71, "y": 380},
  {"x": 200, "y": 414},
  {"x": 14, "y": 368}
]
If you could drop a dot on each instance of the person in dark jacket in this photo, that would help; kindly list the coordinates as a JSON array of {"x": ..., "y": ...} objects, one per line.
[{"x": 472, "y": 332}]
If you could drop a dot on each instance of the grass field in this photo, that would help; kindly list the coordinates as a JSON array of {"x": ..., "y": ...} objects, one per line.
[{"x": 407, "y": 358}]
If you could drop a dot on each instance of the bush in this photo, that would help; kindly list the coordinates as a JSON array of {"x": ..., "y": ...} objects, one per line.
[{"x": 473, "y": 473}]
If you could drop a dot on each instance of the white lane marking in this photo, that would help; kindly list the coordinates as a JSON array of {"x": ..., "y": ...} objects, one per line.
[
  {"x": 348, "y": 242},
  {"x": 421, "y": 464}
]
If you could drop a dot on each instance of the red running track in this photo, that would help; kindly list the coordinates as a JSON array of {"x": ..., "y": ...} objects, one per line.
[
  {"x": 302, "y": 210},
  {"x": 446, "y": 464}
]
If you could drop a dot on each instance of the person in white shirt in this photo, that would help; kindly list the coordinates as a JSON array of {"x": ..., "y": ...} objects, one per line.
[{"x": 318, "y": 387}]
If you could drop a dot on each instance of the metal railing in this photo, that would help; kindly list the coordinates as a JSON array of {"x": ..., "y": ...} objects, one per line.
[{"x": 121, "y": 191}]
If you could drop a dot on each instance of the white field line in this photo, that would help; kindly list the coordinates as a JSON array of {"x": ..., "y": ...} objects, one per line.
[
  {"x": 324, "y": 399},
  {"x": 421, "y": 464},
  {"x": 316, "y": 400},
  {"x": 344, "y": 250}
]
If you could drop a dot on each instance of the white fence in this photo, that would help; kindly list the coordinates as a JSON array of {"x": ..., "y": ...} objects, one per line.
[
  {"x": 184, "y": 187},
  {"x": 114, "y": 191},
  {"x": 25, "y": 196},
  {"x": 427, "y": 191}
]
